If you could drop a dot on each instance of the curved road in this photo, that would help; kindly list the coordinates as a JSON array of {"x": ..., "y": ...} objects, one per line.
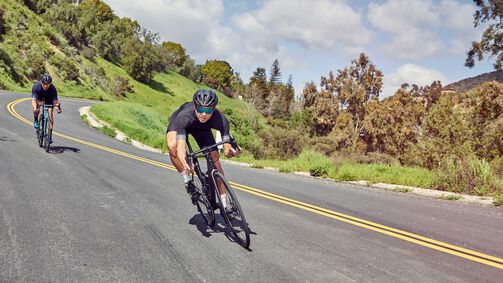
[{"x": 110, "y": 212}]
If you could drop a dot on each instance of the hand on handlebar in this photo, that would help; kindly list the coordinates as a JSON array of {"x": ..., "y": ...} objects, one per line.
[
  {"x": 231, "y": 152},
  {"x": 187, "y": 168}
]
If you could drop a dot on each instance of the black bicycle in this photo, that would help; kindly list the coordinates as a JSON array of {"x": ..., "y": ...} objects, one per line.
[
  {"x": 43, "y": 134},
  {"x": 209, "y": 187}
]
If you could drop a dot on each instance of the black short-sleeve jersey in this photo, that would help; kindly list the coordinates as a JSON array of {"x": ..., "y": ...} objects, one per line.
[
  {"x": 184, "y": 120},
  {"x": 49, "y": 95}
]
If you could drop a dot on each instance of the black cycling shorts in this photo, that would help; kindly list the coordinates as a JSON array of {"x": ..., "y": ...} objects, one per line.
[{"x": 202, "y": 137}]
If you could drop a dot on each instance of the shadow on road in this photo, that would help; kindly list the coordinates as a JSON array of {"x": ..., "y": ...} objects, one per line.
[
  {"x": 219, "y": 227},
  {"x": 7, "y": 139},
  {"x": 61, "y": 149}
]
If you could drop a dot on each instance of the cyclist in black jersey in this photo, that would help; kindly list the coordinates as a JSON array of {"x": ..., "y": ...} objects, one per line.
[
  {"x": 197, "y": 118},
  {"x": 44, "y": 90}
]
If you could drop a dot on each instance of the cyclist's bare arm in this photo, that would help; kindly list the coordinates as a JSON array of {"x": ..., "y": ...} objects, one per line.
[
  {"x": 34, "y": 104},
  {"x": 181, "y": 151}
]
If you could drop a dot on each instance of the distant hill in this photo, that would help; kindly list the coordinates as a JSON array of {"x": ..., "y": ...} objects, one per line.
[{"x": 470, "y": 83}]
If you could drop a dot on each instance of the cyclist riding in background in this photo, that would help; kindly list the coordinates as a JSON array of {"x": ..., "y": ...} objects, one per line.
[
  {"x": 44, "y": 90},
  {"x": 197, "y": 118}
]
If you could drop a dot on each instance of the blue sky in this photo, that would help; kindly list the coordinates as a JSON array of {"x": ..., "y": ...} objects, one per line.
[{"x": 413, "y": 41}]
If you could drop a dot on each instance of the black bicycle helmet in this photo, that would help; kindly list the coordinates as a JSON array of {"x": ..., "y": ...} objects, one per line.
[
  {"x": 46, "y": 79},
  {"x": 205, "y": 98}
]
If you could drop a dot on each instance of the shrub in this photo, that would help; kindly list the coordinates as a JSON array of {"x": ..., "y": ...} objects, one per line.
[
  {"x": 66, "y": 66},
  {"x": 465, "y": 175},
  {"x": 88, "y": 53},
  {"x": 498, "y": 200},
  {"x": 497, "y": 166},
  {"x": 319, "y": 170},
  {"x": 362, "y": 158},
  {"x": 282, "y": 143},
  {"x": 121, "y": 86}
]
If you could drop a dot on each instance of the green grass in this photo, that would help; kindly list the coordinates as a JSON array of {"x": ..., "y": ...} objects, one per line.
[
  {"x": 498, "y": 200},
  {"x": 143, "y": 115},
  {"x": 450, "y": 197},
  {"x": 320, "y": 165},
  {"x": 107, "y": 131}
]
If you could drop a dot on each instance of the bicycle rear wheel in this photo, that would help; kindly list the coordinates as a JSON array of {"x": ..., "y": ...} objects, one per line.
[
  {"x": 47, "y": 138},
  {"x": 203, "y": 203},
  {"x": 233, "y": 214}
]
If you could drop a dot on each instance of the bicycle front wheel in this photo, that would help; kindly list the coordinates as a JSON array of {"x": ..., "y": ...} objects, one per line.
[
  {"x": 203, "y": 203},
  {"x": 232, "y": 213},
  {"x": 47, "y": 138}
]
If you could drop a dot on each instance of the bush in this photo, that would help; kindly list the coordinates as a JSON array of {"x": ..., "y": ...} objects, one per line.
[
  {"x": 362, "y": 158},
  {"x": 121, "y": 86},
  {"x": 282, "y": 143},
  {"x": 88, "y": 53},
  {"x": 319, "y": 170},
  {"x": 498, "y": 200},
  {"x": 465, "y": 175},
  {"x": 497, "y": 166},
  {"x": 66, "y": 66}
]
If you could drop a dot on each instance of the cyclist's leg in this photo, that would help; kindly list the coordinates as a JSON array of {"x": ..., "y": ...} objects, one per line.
[
  {"x": 36, "y": 111},
  {"x": 51, "y": 120},
  {"x": 205, "y": 138}
]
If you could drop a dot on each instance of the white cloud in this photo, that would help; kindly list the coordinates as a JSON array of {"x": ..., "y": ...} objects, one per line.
[
  {"x": 319, "y": 24},
  {"x": 273, "y": 29},
  {"x": 194, "y": 23},
  {"x": 423, "y": 28},
  {"x": 411, "y": 74}
]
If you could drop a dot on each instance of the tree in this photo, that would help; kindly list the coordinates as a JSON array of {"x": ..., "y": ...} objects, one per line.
[
  {"x": 217, "y": 74},
  {"x": 2, "y": 24},
  {"x": 94, "y": 14},
  {"x": 446, "y": 134},
  {"x": 141, "y": 60},
  {"x": 259, "y": 95},
  {"x": 323, "y": 107},
  {"x": 65, "y": 17},
  {"x": 490, "y": 11},
  {"x": 484, "y": 109},
  {"x": 174, "y": 54},
  {"x": 275, "y": 74},
  {"x": 191, "y": 71},
  {"x": 111, "y": 39},
  {"x": 355, "y": 87},
  {"x": 393, "y": 125},
  {"x": 39, "y": 6}
]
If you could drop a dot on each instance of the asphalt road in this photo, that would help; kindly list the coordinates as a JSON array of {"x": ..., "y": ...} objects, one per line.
[{"x": 82, "y": 213}]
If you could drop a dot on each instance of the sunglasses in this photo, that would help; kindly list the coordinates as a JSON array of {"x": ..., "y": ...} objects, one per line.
[{"x": 207, "y": 110}]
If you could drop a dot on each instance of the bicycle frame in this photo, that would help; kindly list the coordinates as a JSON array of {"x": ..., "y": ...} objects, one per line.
[
  {"x": 44, "y": 120},
  {"x": 205, "y": 152},
  {"x": 210, "y": 166},
  {"x": 214, "y": 185}
]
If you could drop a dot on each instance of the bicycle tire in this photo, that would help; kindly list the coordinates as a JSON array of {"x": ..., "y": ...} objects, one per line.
[
  {"x": 40, "y": 132},
  {"x": 234, "y": 217},
  {"x": 47, "y": 145},
  {"x": 203, "y": 204}
]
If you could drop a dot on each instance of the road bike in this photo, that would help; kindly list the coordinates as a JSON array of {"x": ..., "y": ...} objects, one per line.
[
  {"x": 44, "y": 136},
  {"x": 207, "y": 197}
]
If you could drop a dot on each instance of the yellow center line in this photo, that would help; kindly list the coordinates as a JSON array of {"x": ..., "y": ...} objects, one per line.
[{"x": 369, "y": 225}]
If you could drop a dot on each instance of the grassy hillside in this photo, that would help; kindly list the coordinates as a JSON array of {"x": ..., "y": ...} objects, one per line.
[
  {"x": 143, "y": 114},
  {"x": 30, "y": 47}
]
